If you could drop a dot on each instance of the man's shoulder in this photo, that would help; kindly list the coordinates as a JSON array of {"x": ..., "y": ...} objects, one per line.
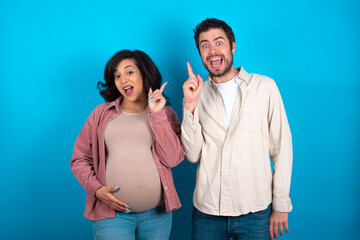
[{"x": 261, "y": 79}]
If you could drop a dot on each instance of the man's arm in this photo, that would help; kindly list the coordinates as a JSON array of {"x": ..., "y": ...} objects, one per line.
[
  {"x": 191, "y": 135},
  {"x": 282, "y": 157}
]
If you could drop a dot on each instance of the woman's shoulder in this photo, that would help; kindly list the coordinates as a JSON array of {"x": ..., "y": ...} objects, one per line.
[{"x": 101, "y": 108}]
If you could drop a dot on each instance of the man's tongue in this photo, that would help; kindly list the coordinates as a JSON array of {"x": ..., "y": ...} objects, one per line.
[{"x": 215, "y": 63}]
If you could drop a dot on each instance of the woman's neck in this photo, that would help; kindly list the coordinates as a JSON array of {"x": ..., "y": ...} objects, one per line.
[{"x": 133, "y": 107}]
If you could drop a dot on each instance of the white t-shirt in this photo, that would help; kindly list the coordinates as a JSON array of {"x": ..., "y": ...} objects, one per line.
[{"x": 229, "y": 92}]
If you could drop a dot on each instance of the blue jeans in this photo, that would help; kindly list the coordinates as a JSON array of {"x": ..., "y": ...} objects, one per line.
[
  {"x": 152, "y": 224},
  {"x": 252, "y": 226}
]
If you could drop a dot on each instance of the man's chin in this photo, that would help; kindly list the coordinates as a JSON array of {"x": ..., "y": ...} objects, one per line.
[{"x": 217, "y": 73}]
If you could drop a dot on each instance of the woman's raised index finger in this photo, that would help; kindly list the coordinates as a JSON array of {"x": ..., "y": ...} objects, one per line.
[
  {"x": 190, "y": 71},
  {"x": 163, "y": 86}
]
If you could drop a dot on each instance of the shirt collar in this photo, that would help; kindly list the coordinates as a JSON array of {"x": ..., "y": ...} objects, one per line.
[{"x": 243, "y": 76}]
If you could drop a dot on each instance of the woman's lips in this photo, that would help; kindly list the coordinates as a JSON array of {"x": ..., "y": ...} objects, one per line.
[{"x": 128, "y": 90}]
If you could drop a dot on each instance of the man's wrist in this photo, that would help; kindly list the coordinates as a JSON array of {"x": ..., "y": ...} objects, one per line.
[{"x": 190, "y": 107}]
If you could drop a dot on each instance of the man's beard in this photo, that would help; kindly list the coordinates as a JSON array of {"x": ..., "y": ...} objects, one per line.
[{"x": 226, "y": 70}]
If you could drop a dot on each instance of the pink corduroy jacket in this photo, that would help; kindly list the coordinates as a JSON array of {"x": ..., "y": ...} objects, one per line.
[{"x": 88, "y": 160}]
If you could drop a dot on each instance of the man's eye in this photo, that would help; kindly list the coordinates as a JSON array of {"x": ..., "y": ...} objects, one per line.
[
  {"x": 219, "y": 43},
  {"x": 117, "y": 76},
  {"x": 205, "y": 45}
]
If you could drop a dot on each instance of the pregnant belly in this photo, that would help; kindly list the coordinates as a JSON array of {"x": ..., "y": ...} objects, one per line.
[{"x": 140, "y": 190}]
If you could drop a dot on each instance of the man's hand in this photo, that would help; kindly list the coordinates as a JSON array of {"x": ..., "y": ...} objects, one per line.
[
  {"x": 192, "y": 90},
  {"x": 278, "y": 220},
  {"x": 156, "y": 100},
  {"x": 105, "y": 195}
]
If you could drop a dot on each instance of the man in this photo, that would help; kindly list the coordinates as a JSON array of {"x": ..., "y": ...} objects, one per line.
[{"x": 231, "y": 124}]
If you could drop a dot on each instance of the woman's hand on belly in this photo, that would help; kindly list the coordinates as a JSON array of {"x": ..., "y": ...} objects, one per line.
[{"x": 105, "y": 195}]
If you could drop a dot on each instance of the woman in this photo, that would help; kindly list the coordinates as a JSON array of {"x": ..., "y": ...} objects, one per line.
[{"x": 123, "y": 154}]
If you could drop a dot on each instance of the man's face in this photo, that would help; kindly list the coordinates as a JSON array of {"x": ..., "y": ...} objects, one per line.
[{"x": 215, "y": 51}]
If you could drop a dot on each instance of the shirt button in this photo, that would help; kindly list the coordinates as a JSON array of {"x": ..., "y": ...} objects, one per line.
[
  {"x": 103, "y": 177},
  {"x": 151, "y": 118},
  {"x": 159, "y": 166},
  {"x": 102, "y": 134},
  {"x": 165, "y": 188},
  {"x": 102, "y": 155}
]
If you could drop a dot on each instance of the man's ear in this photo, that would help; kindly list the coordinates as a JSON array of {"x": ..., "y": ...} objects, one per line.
[{"x": 233, "y": 48}]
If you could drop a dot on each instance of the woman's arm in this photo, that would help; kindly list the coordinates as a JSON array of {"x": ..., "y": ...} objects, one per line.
[
  {"x": 82, "y": 161},
  {"x": 166, "y": 131}
]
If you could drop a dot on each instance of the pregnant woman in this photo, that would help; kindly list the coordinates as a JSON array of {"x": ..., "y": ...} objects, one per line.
[{"x": 124, "y": 153}]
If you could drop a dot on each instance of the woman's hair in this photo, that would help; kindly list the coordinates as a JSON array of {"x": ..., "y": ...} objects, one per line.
[{"x": 149, "y": 73}]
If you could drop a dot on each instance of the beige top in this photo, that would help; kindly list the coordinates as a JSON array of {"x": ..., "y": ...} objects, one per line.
[
  {"x": 129, "y": 162},
  {"x": 234, "y": 175}
]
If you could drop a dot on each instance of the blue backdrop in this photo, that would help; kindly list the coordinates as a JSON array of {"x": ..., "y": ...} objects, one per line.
[{"x": 52, "y": 54}]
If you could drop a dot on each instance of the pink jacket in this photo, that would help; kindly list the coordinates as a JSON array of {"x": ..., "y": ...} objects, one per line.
[{"x": 88, "y": 160}]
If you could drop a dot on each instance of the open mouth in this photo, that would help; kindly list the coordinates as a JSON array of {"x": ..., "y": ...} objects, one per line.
[
  {"x": 128, "y": 90},
  {"x": 216, "y": 62}
]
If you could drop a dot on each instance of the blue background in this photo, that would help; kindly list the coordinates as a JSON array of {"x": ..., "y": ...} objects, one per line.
[{"x": 52, "y": 54}]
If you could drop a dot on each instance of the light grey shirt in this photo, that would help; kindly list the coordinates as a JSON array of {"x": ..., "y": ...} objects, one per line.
[{"x": 234, "y": 174}]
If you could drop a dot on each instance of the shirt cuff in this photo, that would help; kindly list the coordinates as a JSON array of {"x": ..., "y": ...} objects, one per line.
[
  {"x": 93, "y": 187},
  {"x": 283, "y": 205},
  {"x": 157, "y": 116},
  {"x": 191, "y": 118}
]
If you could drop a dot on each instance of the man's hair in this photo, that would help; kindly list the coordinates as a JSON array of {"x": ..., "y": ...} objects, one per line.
[
  {"x": 149, "y": 73},
  {"x": 209, "y": 23}
]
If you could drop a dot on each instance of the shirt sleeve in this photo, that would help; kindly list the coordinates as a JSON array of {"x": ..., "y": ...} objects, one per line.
[
  {"x": 280, "y": 151},
  {"x": 82, "y": 161},
  {"x": 191, "y": 135},
  {"x": 166, "y": 131}
]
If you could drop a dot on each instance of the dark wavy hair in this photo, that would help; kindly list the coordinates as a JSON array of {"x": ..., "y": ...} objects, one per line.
[
  {"x": 149, "y": 73},
  {"x": 209, "y": 23}
]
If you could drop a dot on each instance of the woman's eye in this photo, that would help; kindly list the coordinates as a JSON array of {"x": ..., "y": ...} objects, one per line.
[
  {"x": 117, "y": 76},
  {"x": 130, "y": 72}
]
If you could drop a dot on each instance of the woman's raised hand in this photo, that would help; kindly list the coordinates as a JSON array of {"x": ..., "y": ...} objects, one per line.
[{"x": 156, "y": 99}]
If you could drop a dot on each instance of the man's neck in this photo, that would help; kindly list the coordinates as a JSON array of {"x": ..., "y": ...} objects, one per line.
[{"x": 226, "y": 77}]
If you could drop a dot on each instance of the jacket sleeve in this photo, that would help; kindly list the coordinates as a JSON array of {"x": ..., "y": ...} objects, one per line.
[
  {"x": 281, "y": 153},
  {"x": 191, "y": 135},
  {"x": 166, "y": 131},
  {"x": 82, "y": 161}
]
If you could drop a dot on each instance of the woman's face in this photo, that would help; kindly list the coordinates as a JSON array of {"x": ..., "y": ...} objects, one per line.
[{"x": 129, "y": 82}]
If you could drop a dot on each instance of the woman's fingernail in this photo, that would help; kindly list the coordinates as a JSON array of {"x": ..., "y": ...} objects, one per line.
[
  {"x": 149, "y": 89},
  {"x": 127, "y": 211},
  {"x": 127, "y": 206},
  {"x": 116, "y": 188},
  {"x": 150, "y": 96}
]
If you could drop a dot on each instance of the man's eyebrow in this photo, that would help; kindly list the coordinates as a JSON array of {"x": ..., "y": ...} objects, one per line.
[
  {"x": 219, "y": 38},
  {"x": 204, "y": 41}
]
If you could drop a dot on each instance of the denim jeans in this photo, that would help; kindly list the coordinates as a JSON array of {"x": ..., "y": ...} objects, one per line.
[
  {"x": 252, "y": 226},
  {"x": 152, "y": 224}
]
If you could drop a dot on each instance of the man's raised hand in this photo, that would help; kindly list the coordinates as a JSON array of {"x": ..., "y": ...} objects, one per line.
[{"x": 192, "y": 89}]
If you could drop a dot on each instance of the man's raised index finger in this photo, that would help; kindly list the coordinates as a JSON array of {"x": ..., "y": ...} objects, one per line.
[{"x": 190, "y": 71}]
